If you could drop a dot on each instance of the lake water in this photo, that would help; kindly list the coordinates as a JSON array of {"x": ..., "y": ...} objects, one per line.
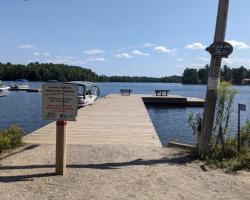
[{"x": 25, "y": 109}]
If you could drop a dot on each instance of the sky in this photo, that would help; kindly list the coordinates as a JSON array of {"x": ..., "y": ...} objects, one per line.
[{"x": 114, "y": 37}]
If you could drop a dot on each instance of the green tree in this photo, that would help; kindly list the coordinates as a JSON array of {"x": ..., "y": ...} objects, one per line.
[
  {"x": 190, "y": 76},
  {"x": 203, "y": 74},
  {"x": 226, "y": 74},
  {"x": 239, "y": 74}
]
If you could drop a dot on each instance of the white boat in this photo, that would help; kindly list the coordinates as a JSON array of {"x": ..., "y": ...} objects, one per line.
[
  {"x": 87, "y": 92},
  {"x": 21, "y": 84},
  {"x": 4, "y": 90}
]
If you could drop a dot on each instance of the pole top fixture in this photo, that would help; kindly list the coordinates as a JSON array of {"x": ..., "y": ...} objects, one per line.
[{"x": 220, "y": 49}]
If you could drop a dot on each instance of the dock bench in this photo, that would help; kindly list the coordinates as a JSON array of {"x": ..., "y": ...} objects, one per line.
[
  {"x": 125, "y": 92},
  {"x": 161, "y": 92}
]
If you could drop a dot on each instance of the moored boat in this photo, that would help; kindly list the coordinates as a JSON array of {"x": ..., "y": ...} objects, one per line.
[
  {"x": 21, "y": 84},
  {"x": 87, "y": 92},
  {"x": 4, "y": 90}
]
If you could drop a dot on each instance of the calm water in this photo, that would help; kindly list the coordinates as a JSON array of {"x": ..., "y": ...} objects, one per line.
[{"x": 24, "y": 109}]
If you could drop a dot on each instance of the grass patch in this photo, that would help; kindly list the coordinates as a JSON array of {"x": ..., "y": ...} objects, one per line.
[
  {"x": 228, "y": 157},
  {"x": 11, "y": 138}
]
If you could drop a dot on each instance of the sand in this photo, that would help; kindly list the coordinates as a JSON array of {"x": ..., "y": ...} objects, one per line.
[{"x": 115, "y": 172}]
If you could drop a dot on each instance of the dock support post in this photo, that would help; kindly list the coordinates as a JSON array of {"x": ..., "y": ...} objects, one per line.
[{"x": 61, "y": 141}]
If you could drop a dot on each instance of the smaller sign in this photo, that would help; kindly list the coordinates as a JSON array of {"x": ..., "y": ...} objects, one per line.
[
  {"x": 60, "y": 101},
  {"x": 213, "y": 83},
  {"x": 220, "y": 49},
  {"x": 242, "y": 107}
]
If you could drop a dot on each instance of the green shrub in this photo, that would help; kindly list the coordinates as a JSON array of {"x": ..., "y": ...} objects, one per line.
[
  {"x": 245, "y": 135},
  {"x": 4, "y": 142},
  {"x": 11, "y": 138},
  {"x": 224, "y": 150},
  {"x": 230, "y": 158}
]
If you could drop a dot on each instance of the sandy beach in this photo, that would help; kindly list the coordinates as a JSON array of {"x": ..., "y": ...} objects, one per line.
[{"x": 115, "y": 172}]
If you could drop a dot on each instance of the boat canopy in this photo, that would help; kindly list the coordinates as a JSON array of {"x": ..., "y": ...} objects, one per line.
[
  {"x": 83, "y": 83},
  {"x": 86, "y": 88}
]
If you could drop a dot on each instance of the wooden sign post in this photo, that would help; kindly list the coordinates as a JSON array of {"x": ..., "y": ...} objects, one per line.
[
  {"x": 60, "y": 104},
  {"x": 61, "y": 144},
  {"x": 241, "y": 107}
]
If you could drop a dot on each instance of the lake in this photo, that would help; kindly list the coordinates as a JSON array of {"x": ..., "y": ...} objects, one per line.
[{"x": 25, "y": 109}]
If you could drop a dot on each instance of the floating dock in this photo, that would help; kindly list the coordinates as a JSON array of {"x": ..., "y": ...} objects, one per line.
[
  {"x": 114, "y": 119},
  {"x": 173, "y": 100}
]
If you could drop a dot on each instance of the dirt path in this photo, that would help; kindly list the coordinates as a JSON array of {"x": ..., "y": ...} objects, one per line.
[{"x": 115, "y": 172}]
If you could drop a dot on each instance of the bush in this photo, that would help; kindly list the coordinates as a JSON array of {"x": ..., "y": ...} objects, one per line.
[
  {"x": 11, "y": 138},
  {"x": 224, "y": 150},
  {"x": 230, "y": 158}
]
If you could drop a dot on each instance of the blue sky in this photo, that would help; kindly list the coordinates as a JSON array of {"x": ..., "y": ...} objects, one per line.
[{"x": 115, "y": 37}]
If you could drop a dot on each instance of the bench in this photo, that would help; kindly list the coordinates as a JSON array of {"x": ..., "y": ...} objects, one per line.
[
  {"x": 161, "y": 92},
  {"x": 125, "y": 92}
]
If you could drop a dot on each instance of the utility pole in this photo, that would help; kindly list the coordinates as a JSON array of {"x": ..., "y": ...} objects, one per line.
[{"x": 218, "y": 50}]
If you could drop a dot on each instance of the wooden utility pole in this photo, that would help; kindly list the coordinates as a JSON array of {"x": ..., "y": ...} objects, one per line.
[{"x": 213, "y": 80}]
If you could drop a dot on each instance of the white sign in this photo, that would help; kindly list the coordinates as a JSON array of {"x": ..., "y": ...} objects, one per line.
[
  {"x": 213, "y": 83},
  {"x": 60, "y": 101}
]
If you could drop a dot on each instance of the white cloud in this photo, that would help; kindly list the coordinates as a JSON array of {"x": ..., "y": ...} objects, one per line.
[
  {"x": 46, "y": 54},
  {"x": 94, "y": 59},
  {"x": 26, "y": 46},
  {"x": 71, "y": 57},
  {"x": 148, "y": 44},
  {"x": 239, "y": 44},
  {"x": 64, "y": 60},
  {"x": 203, "y": 59},
  {"x": 127, "y": 48},
  {"x": 139, "y": 53},
  {"x": 30, "y": 61},
  {"x": 196, "y": 65},
  {"x": 196, "y": 45},
  {"x": 93, "y": 51},
  {"x": 162, "y": 49},
  {"x": 191, "y": 65},
  {"x": 36, "y": 53},
  {"x": 124, "y": 55},
  {"x": 236, "y": 61},
  {"x": 227, "y": 61}
]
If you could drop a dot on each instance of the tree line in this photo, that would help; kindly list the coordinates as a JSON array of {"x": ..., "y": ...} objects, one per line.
[
  {"x": 61, "y": 72},
  {"x": 166, "y": 79},
  {"x": 45, "y": 71},
  {"x": 200, "y": 76}
]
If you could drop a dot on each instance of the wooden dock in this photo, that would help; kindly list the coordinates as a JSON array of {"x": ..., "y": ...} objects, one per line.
[{"x": 114, "y": 119}]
